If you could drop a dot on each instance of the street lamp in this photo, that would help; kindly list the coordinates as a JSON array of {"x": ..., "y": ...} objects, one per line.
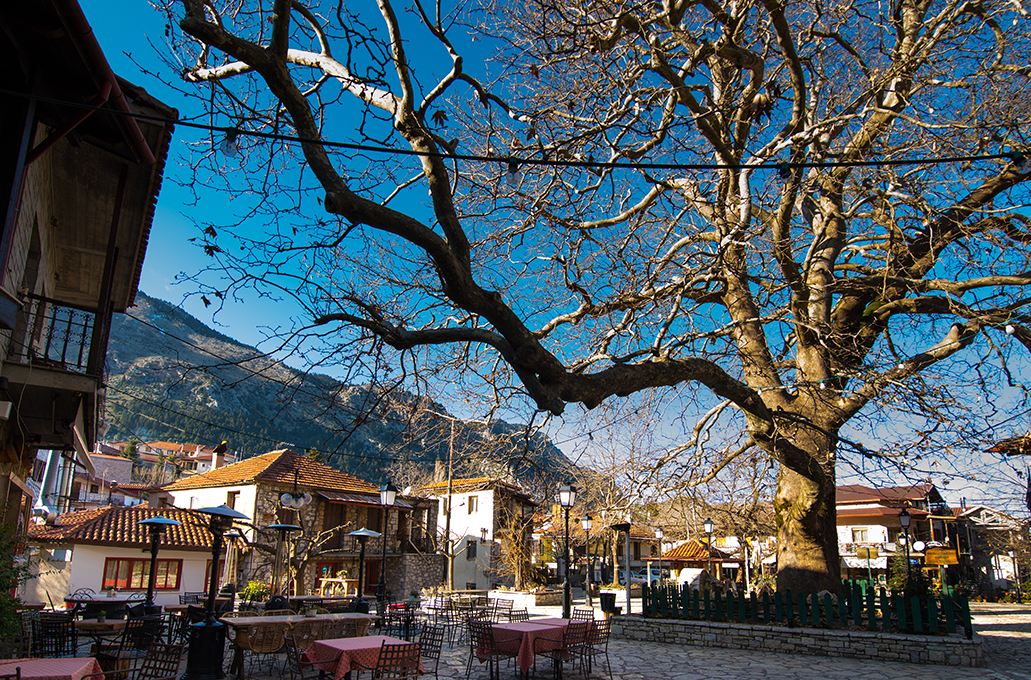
[
  {"x": 387, "y": 495},
  {"x": 905, "y": 519},
  {"x": 363, "y": 535},
  {"x": 658, "y": 535},
  {"x": 208, "y": 637},
  {"x": 156, "y": 526},
  {"x": 709, "y": 526},
  {"x": 587, "y": 522},
  {"x": 624, "y": 527},
  {"x": 566, "y": 498},
  {"x": 278, "y": 599}
]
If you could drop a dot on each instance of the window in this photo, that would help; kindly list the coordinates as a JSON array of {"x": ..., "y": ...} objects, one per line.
[
  {"x": 859, "y": 536},
  {"x": 231, "y": 497},
  {"x": 473, "y": 504},
  {"x": 127, "y": 573},
  {"x": 470, "y": 550}
]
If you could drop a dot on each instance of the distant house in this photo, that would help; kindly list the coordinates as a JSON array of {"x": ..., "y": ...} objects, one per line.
[
  {"x": 478, "y": 516},
  {"x": 110, "y": 484},
  {"x": 989, "y": 542},
  {"x": 79, "y": 180},
  {"x": 107, "y": 547},
  {"x": 341, "y": 503}
]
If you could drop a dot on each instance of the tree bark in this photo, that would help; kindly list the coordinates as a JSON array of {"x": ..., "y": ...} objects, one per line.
[{"x": 807, "y": 541}]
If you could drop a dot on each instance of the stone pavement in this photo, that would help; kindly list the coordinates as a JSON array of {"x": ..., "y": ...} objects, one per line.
[{"x": 1006, "y": 630}]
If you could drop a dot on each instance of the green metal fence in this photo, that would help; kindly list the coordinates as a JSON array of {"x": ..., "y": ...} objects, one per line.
[{"x": 869, "y": 610}]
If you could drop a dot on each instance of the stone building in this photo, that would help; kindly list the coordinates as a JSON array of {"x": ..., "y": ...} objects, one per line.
[{"x": 322, "y": 549}]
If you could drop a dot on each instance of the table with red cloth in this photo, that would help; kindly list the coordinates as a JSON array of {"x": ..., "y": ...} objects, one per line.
[
  {"x": 51, "y": 669},
  {"x": 520, "y": 637},
  {"x": 341, "y": 656}
]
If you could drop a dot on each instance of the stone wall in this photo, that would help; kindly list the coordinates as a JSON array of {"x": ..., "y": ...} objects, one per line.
[
  {"x": 926, "y": 649},
  {"x": 416, "y": 572}
]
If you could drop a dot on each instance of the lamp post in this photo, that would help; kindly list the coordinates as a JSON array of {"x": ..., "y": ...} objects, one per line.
[
  {"x": 905, "y": 519},
  {"x": 658, "y": 534},
  {"x": 709, "y": 527},
  {"x": 387, "y": 495},
  {"x": 363, "y": 535},
  {"x": 278, "y": 599},
  {"x": 566, "y": 498},
  {"x": 208, "y": 637},
  {"x": 587, "y": 522},
  {"x": 156, "y": 526}
]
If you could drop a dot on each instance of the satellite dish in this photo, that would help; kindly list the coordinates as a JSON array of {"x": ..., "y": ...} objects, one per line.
[{"x": 407, "y": 491}]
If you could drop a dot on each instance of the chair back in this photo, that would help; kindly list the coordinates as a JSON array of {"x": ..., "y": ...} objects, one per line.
[
  {"x": 16, "y": 675},
  {"x": 161, "y": 662},
  {"x": 518, "y": 615},
  {"x": 303, "y": 633},
  {"x": 583, "y": 614},
  {"x": 431, "y": 641},
  {"x": 15, "y": 647},
  {"x": 397, "y": 662},
  {"x": 264, "y": 638},
  {"x": 56, "y": 635},
  {"x": 599, "y": 633},
  {"x": 576, "y": 635},
  {"x": 140, "y": 633}
]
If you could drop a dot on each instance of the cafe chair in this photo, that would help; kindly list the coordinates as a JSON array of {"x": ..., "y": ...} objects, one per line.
[
  {"x": 56, "y": 635},
  {"x": 16, "y": 675},
  {"x": 396, "y": 662},
  {"x": 15, "y": 647},
  {"x": 280, "y": 612},
  {"x": 484, "y": 648},
  {"x": 597, "y": 646},
  {"x": 262, "y": 639},
  {"x": 303, "y": 633},
  {"x": 300, "y": 670},
  {"x": 137, "y": 637},
  {"x": 161, "y": 662},
  {"x": 431, "y": 639},
  {"x": 502, "y": 610},
  {"x": 580, "y": 614},
  {"x": 570, "y": 647},
  {"x": 518, "y": 615}
]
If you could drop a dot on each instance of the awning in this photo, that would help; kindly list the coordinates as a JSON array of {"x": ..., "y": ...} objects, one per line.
[
  {"x": 79, "y": 442},
  {"x": 360, "y": 499},
  {"x": 861, "y": 562}
]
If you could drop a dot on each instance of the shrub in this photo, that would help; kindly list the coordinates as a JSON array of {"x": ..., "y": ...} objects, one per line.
[
  {"x": 14, "y": 570},
  {"x": 256, "y": 591}
]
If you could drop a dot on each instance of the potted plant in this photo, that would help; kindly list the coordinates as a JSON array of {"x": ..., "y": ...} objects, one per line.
[{"x": 102, "y": 616}]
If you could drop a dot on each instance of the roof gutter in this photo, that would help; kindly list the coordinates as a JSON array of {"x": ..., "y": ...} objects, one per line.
[{"x": 83, "y": 35}]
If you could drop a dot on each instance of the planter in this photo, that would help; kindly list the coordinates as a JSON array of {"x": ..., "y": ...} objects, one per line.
[{"x": 523, "y": 600}]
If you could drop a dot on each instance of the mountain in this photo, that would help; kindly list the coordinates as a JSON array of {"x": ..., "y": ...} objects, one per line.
[{"x": 172, "y": 378}]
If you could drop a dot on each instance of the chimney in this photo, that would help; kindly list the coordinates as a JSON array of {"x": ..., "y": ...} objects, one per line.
[{"x": 218, "y": 459}]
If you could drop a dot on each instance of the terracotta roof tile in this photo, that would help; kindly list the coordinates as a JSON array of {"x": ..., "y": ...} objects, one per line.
[
  {"x": 121, "y": 526},
  {"x": 474, "y": 484},
  {"x": 694, "y": 551},
  {"x": 279, "y": 467}
]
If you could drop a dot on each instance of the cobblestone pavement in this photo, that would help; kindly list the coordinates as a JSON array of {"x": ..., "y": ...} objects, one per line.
[{"x": 1005, "y": 629}]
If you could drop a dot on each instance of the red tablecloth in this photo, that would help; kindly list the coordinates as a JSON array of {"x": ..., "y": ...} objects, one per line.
[
  {"x": 521, "y": 636},
  {"x": 339, "y": 657},
  {"x": 51, "y": 669}
]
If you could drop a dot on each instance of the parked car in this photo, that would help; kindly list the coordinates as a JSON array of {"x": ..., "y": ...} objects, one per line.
[
  {"x": 635, "y": 578},
  {"x": 655, "y": 576}
]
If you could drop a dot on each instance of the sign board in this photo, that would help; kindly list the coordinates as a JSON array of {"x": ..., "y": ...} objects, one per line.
[
  {"x": 867, "y": 553},
  {"x": 940, "y": 556}
]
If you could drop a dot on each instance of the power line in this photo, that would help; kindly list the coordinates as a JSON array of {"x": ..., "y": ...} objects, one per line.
[{"x": 513, "y": 162}]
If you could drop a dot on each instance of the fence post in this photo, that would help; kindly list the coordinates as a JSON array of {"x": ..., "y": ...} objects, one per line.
[
  {"x": 742, "y": 613},
  {"x": 918, "y": 623},
  {"x": 755, "y": 606},
  {"x": 871, "y": 609},
  {"x": 685, "y": 600},
  {"x": 719, "y": 606},
  {"x": 950, "y": 615},
  {"x": 900, "y": 611},
  {"x": 885, "y": 610},
  {"x": 694, "y": 606},
  {"x": 803, "y": 610},
  {"x": 789, "y": 602},
  {"x": 932, "y": 614},
  {"x": 708, "y": 606},
  {"x": 964, "y": 616},
  {"x": 766, "y": 608}
]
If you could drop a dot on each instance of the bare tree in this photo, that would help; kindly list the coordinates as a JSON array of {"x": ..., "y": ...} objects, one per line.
[{"x": 796, "y": 249}]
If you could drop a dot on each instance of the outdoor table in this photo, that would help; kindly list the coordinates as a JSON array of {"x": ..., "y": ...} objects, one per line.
[
  {"x": 341, "y": 656},
  {"x": 409, "y": 609},
  {"x": 51, "y": 669},
  {"x": 180, "y": 608},
  {"x": 114, "y": 606},
  {"x": 520, "y": 637},
  {"x": 241, "y": 623},
  {"x": 99, "y": 631}
]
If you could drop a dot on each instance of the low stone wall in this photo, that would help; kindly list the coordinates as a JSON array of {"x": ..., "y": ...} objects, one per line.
[
  {"x": 524, "y": 600},
  {"x": 926, "y": 649}
]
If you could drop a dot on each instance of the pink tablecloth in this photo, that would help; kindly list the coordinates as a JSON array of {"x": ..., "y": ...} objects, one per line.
[
  {"x": 52, "y": 669},
  {"x": 508, "y": 636},
  {"x": 340, "y": 657}
]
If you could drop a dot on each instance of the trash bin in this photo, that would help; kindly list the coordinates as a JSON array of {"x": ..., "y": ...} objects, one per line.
[{"x": 608, "y": 602}]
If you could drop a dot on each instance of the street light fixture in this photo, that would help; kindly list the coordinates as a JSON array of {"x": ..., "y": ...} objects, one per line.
[
  {"x": 208, "y": 637},
  {"x": 387, "y": 496},
  {"x": 363, "y": 535},
  {"x": 587, "y": 522},
  {"x": 709, "y": 527},
  {"x": 156, "y": 526},
  {"x": 566, "y": 498},
  {"x": 905, "y": 519}
]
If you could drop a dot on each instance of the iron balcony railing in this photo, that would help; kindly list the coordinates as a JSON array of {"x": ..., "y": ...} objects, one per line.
[{"x": 53, "y": 335}]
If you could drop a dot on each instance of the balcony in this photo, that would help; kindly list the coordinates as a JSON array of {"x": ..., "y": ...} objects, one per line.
[
  {"x": 54, "y": 369},
  {"x": 395, "y": 545}
]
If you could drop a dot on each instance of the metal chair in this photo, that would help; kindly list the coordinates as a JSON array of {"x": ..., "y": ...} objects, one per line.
[
  {"x": 502, "y": 610},
  {"x": 300, "y": 670},
  {"x": 571, "y": 647},
  {"x": 134, "y": 643},
  {"x": 56, "y": 635},
  {"x": 597, "y": 645},
  {"x": 484, "y": 648},
  {"x": 431, "y": 639},
  {"x": 396, "y": 662},
  {"x": 583, "y": 614},
  {"x": 517, "y": 615},
  {"x": 161, "y": 662},
  {"x": 16, "y": 675},
  {"x": 15, "y": 647}
]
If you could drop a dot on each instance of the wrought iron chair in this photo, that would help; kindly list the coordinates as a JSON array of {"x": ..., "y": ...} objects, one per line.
[
  {"x": 571, "y": 647},
  {"x": 580, "y": 614},
  {"x": 484, "y": 648},
  {"x": 431, "y": 639},
  {"x": 15, "y": 647},
  {"x": 502, "y": 610},
  {"x": 16, "y": 675},
  {"x": 161, "y": 662},
  {"x": 517, "y": 615},
  {"x": 300, "y": 670},
  {"x": 56, "y": 635},
  {"x": 597, "y": 646},
  {"x": 396, "y": 662}
]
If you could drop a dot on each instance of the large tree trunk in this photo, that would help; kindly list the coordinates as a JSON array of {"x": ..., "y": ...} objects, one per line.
[{"x": 807, "y": 538}]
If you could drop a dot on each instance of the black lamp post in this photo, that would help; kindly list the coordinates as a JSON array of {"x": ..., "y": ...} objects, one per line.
[
  {"x": 278, "y": 599},
  {"x": 387, "y": 494},
  {"x": 156, "y": 526},
  {"x": 709, "y": 527},
  {"x": 587, "y": 522},
  {"x": 566, "y": 498},
  {"x": 624, "y": 527},
  {"x": 208, "y": 637},
  {"x": 363, "y": 535},
  {"x": 658, "y": 534},
  {"x": 905, "y": 519}
]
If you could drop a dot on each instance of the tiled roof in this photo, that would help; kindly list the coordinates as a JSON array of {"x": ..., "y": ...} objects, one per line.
[
  {"x": 474, "y": 484},
  {"x": 1014, "y": 446},
  {"x": 277, "y": 467},
  {"x": 857, "y": 492},
  {"x": 694, "y": 551},
  {"x": 121, "y": 526}
]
